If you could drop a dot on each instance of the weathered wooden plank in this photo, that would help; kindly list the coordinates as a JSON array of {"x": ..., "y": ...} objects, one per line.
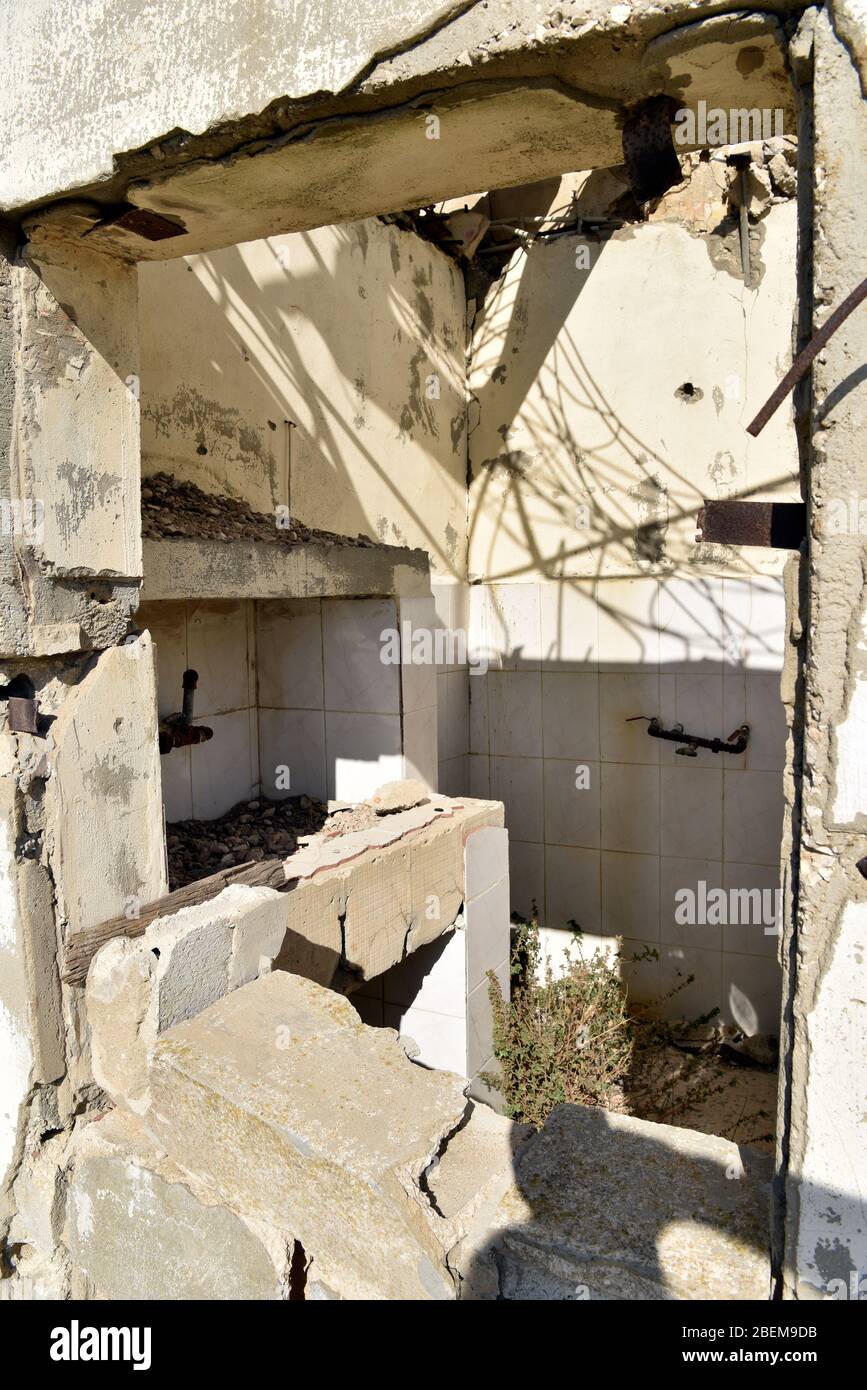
[{"x": 80, "y": 949}]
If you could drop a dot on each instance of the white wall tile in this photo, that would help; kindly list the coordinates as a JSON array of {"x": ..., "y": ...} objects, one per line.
[
  {"x": 755, "y": 622},
  {"x": 572, "y": 888},
  {"x": 751, "y": 993},
  {"x": 433, "y": 978},
  {"x": 622, "y": 697},
  {"x": 527, "y": 877},
  {"x": 457, "y": 737},
  {"x": 696, "y": 703},
  {"x": 692, "y": 819},
  {"x": 480, "y": 1023},
  {"x": 356, "y": 677},
  {"x": 630, "y": 808},
  {"x": 514, "y": 625},
  {"x": 515, "y": 713},
  {"x": 486, "y": 860},
  {"x": 420, "y": 745},
  {"x": 572, "y": 812},
  {"x": 361, "y": 752},
  {"x": 570, "y": 714},
  {"x": 766, "y": 716},
  {"x": 628, "y": 625},
  {"x": 678, "y": 874},
  {"x": 289, "y": 654},
  {"x": 517, "y": 782},
  {"x": 487, "y": 932},
  {"x": 295, "y": 739},
  {"x": 691, "y": 630},
  {"x": 222, "y": 769},
  {"x": 753, "y": 816},
  {"x": 477, "y": 697},
  {"x": 630, "y": 895},
  {"x": 442, "y": 1041},
  {"x": 217, "y": 646},
  {"x": 418, "y": 674},
  {"x": 758, "y": 935},
  {"x": 570, "y": 626},
  {"x": 480, "y": 776}
]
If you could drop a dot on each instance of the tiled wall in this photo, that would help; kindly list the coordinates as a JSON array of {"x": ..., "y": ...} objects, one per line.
[
  {"x": 452, "y": 604},
  {"x": 217, "y": 639},
  {"x": 297, "y": 685},
  {"x": 570, "y": 663}
]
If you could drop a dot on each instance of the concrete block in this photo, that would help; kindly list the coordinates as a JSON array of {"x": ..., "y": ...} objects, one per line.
[
  {"x": 299, "y": 1115},
  {"x": 604, "y": 1206},
  {"x": 184, "y": 962},
  {"x": 125, "y": 1193}
]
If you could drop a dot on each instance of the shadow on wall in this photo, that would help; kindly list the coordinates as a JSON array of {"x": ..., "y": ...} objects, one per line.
[{"x": 356, "y": 334}]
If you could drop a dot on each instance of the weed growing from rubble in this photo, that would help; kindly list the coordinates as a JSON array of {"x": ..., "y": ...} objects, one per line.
[
  {"x": 572, "y": 1036},
  {"x": 561, "y": 1037}
]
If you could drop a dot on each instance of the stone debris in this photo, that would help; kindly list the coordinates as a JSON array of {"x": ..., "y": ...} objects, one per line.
[
  {"x": 297, "y": 1114},
  {"x": 172, "y": 510},
  {"x": 604, "y": 1206},
  {"x": 266, "y": 829},
  {"x": 249, "y": 831},
  {"x": 398, "y": 796}
]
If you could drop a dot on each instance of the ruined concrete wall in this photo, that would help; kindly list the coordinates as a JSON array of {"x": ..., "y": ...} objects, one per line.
[
  {"x": 321, "y": 371},
  {"x": 611, "y": 381},
  {"x": 82, "y": 820},
  {"x": 823, "y": 1085}
]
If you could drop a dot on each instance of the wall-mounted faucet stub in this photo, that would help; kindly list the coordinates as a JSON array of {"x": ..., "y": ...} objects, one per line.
[
  {"x": 735, "y": 743},
  {"x": 178, "y": 730}
]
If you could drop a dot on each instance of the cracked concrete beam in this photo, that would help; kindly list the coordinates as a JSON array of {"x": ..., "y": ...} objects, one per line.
[{"x": 329, "y": 110}]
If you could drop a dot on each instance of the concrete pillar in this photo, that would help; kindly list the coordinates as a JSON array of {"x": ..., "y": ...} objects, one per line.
[
  {"x": 822, "y": 1156},
  {"x": 81, "y": 806}
]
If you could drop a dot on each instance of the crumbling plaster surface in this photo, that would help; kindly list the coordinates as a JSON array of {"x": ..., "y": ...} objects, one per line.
[
  {"x": 72, "y": 555},
  {"x": 322, "y": 371},
  {"x": 83, "y": 839},
  {"x": 824, "y": 1083},
  {"x": 365, "y": 149},
  {"x": 580, "y": 430}
]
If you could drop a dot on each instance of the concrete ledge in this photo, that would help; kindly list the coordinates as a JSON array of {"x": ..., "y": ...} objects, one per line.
[{"x": 203, "y": 569}]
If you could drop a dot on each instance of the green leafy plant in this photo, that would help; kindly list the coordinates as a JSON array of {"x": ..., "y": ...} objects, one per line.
[{"x": 561, "y": 1037}]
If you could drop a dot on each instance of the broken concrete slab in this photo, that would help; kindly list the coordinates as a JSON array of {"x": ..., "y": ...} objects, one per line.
[
  {"x": 299, "y": 1115},
  {"x": 187, "y": 1246},
  {"x": 604, "y": 1206}
]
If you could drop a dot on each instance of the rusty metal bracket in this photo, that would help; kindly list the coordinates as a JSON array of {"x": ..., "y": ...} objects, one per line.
[
  {"x": 22, "y": 707},
  {"x": 735, "y": 743},
  {"x": 142, "y": 222},
  {"x": 781, "y": 525}
]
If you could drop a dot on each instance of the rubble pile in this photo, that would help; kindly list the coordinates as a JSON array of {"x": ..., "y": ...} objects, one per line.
[{"x": 175, "y": 510}]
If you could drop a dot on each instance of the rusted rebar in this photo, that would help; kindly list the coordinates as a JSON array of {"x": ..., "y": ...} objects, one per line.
[{"x": 805, "y": 357}]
